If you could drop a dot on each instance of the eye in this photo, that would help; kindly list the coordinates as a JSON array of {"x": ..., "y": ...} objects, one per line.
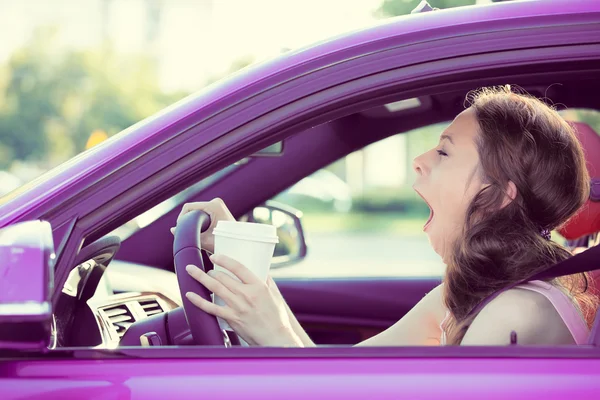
[{"x": 442, "y": 153}]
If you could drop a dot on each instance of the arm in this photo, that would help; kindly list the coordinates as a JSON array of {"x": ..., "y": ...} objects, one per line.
[
  {"x": 419, "y": 327},
  {"x": 297, "y": 328},
  {"x": 529, "y": 314}
]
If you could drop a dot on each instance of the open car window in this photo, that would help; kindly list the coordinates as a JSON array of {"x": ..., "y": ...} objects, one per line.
[{"x": 361, "y": 210}]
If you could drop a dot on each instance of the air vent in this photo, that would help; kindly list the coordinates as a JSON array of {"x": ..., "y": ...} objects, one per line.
[
  {"x": 120, "y": 317},
  {"x": 151, "y": 307}
]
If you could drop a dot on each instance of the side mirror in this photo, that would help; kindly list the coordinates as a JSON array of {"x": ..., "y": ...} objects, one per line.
[
  {"x": 292, "y": 247},
  {"x": 26, "y": 285}
]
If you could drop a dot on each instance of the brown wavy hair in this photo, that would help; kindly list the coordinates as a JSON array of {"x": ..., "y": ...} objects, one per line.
[{"x": 524, "y": 141}]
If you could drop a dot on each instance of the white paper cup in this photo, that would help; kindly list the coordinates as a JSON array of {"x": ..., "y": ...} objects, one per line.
[{"x": 250, "y": 244}]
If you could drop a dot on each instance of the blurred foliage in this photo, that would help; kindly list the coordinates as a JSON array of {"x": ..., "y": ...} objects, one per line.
[
  {"x": 392, "y": 8},
  {"x": 51, "y": 99},
  {"x": 590, "y": 117},
  {"x": 402, "y": 200},
  {"x": 238, "y": 64}
]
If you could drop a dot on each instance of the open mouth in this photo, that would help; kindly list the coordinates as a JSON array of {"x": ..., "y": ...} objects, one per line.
[{"x": 431, "y": 213}]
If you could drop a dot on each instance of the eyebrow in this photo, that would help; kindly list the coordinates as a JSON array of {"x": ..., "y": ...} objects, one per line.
[{"x": 446, "y": 137}]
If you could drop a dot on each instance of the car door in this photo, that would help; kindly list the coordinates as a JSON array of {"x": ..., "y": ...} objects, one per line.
[
  {"x": 349, "y": 373},
  {"x": 340, "y": 311}
]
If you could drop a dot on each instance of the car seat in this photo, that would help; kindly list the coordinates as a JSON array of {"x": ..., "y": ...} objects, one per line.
[{"x": 583, "y": 228}]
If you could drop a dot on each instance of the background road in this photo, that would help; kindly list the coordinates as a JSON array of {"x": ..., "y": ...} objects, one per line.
[{"x": 364, "y": 254}]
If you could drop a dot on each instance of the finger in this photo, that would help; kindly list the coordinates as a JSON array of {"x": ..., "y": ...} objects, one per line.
[
  {"x": 236, "y": 268},
  {"x": 187, "y": 207},
  {"x": 234, "y": 285},
  {"x": 208, "y": 307},
  {"x": 172, "y": 230},
  {"x": 211, "y": 284}
]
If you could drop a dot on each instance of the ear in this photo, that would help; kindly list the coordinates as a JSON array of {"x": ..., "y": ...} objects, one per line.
[{"x": 511, "y": 193}]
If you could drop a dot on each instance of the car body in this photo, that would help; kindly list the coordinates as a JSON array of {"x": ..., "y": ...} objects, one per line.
[{"x": 324, "y": 102}]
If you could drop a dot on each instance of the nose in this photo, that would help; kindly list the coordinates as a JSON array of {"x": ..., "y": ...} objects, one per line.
[{"x": 419, "y": 165}]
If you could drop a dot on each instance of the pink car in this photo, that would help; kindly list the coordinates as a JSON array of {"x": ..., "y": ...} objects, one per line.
[{"x": 90, "y": 297}]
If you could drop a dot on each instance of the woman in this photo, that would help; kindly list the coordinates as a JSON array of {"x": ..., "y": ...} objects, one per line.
[{"x": 506, "y": 172}]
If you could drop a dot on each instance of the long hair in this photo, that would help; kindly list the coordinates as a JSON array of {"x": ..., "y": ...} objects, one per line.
[{"x": 524, "y": 141}]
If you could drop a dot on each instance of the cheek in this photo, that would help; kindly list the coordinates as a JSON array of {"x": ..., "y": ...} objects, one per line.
[{"x": 453, "y": 204}]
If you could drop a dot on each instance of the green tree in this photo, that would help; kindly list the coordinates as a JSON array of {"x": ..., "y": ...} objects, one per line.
[
  {"x": 392, "y": 8},
  {"x": 590, "y": 117},
  {"x": 25, "y": 103},
  {"x": 52, "y": 100}
]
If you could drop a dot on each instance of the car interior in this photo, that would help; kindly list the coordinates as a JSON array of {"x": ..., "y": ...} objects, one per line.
[
  {"x": 123, "y": 291},
  {"x": 581, "y": 232}
]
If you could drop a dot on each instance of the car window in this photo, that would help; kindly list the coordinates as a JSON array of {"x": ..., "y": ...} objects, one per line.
[
  {"x": 151, "y": 215},
  {"x": 361, "y": 215}
]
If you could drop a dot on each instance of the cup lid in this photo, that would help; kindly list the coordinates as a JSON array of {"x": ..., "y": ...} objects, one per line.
[{"x": 247, "y": 230}]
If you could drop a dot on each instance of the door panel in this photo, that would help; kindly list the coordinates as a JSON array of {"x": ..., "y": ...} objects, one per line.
[
  {"x": 348, "y": 311},
  {"x": 260, "y": 373}
]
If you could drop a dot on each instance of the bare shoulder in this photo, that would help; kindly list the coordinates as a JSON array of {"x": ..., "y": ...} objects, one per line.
[{"x": 530, "y": 314}]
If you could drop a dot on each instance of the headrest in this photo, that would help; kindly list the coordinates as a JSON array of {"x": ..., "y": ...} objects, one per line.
[{"x": 587, "y": 220}]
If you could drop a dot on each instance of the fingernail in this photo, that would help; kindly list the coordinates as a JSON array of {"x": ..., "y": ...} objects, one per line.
[
  {"x": 190, "y": 268},
  {"x": 172, "y": 230},
  {"x": 211, "y": 273},
  {"x": 212, "y": 257},
  {"x": 189, "y": 294}
]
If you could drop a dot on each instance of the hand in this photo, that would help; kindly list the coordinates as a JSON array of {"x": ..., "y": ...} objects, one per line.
[
  {"x": 254, "y": 309},
  {"x": 217, "y": 210}
]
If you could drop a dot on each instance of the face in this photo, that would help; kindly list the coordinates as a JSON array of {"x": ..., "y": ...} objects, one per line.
[{"x": 448, "y": 178}]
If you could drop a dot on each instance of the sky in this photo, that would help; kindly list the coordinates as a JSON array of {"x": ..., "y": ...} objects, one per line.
[{"x": 197, "y": 39}]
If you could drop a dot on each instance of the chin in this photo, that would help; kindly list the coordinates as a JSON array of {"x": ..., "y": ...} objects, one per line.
[
  {"x": 434, "y": 244},
  {"x": 438, "y": 245}
]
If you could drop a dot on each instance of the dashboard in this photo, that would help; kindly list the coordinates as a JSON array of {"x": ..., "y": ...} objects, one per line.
[
  {"x": 128, "y": 293},
  {"x": 123, "y": 293}
]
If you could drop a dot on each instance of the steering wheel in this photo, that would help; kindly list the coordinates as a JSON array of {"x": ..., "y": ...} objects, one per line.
[{"x": 186, "y": 250}]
